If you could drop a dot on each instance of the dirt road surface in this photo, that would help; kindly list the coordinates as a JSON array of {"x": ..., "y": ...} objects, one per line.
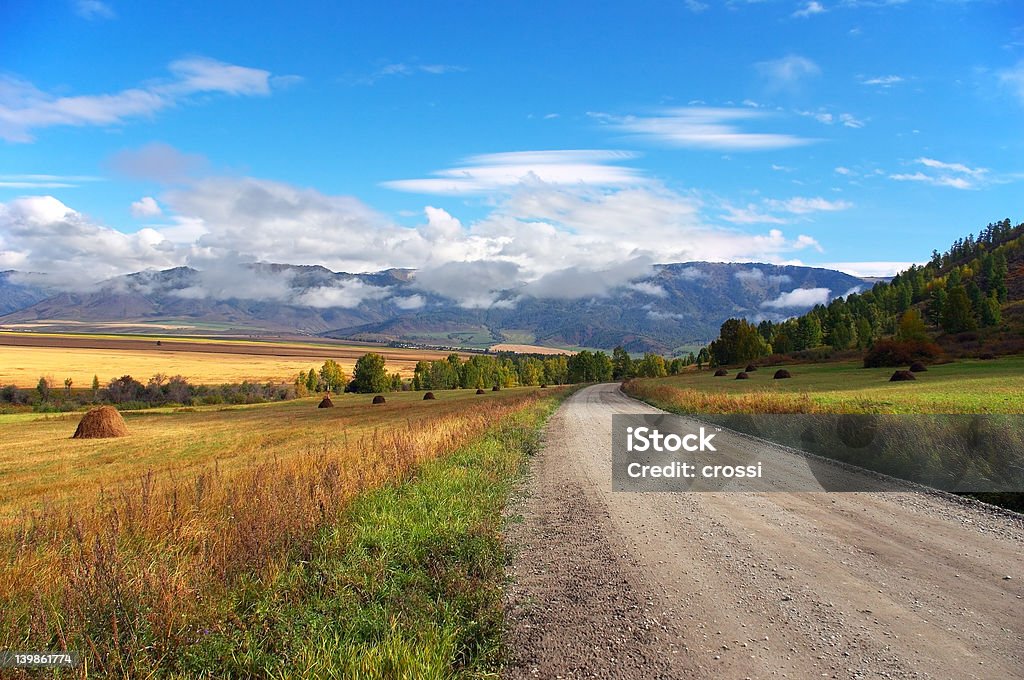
[{"x": 750, "y": 585}]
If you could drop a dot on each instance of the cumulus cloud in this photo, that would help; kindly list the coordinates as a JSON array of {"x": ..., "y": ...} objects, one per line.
[
  {"x": 539, "y": 239},
  {"x": 704, "y": 128},
  {"x": 25, "y": 108},
  {"x": 41, "y": 234},
  {"x": 146, "y": 207},
  {"x": 801, "y": 297}
]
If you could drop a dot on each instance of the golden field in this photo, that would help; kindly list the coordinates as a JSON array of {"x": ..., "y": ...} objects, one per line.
[
  {"x": 25, "y": 357},
  {"x": 125, "y": 548}
]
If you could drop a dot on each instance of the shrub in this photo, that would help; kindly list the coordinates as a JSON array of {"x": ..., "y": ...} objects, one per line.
[{"x": 891, "y": 352}]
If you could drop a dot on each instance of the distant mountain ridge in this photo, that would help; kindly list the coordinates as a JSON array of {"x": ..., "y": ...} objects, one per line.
[{"x": 679, "y": 304}]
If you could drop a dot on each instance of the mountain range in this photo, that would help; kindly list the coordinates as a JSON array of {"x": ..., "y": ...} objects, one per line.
[{"x": 674, "y": 306}]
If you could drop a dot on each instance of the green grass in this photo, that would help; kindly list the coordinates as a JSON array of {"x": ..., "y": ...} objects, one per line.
[
  {"x": 966, "y": 386},
  {"x": 407, "y": 585}
]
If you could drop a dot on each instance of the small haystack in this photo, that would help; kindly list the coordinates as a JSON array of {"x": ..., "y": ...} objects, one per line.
[
  {"x": 742, "y": 375},
  {"x": 480, "y": 390},
  {"x": 379, "y": 399},
  {"x": 900, "y": 376},
  {"x": 720, "y": 372},
  {"x": 103, "y": 422},
  {"x": 543, "y": 386},
  {"x": 751, "y": 368},
  {"x": 326, "y": 402},
  {"x": 782, "y": 373},
  {"x": 918, "y": 367},
  {"x": 495, "y": 389},
  {"x": 428, "y": 396}
]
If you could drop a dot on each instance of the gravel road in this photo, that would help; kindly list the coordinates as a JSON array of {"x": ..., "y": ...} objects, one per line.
[{"x": 750, "y": 585}]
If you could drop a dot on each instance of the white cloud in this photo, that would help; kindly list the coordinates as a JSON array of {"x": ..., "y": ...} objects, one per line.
[
  {"x": 787, "y": 73},
  {"x": 1012, "y": 78},
  {"x": 704, "y": 128},
  {"x": 841, "y": 170},
  {"x": 768, "y": 212},
  {"x": 851, "y": 121},
  {"x": 883, "y": 81},
  {"x": 648, "y": 288},
  {"x": 539, "y": 239},
  {"x": 35, "y": 181},
  {"x": 347, "y": 294},
  {"x": 801, "y": 297},
  {"x": 94, "y": 9},
  {"x": 695, "y": 6},
  {"x": 146, "y": 207},
  {"x": 404, "y": 69},
  {"x": 24, "y": 108},
  {"x": 41, "y": 234},
  {"x": 955, "y": 175},
  {"x": 869, "y": 269},
  {"x": 751, "y": 214},
  {"x": 409, "y": 302},
  {"x": 801, "y": 205},
  {"x": 810, "y": 9},
  {"x": 504, "y": 171}
]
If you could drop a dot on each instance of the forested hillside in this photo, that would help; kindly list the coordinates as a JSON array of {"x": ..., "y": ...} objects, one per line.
[{"x": 968, "y": 299}]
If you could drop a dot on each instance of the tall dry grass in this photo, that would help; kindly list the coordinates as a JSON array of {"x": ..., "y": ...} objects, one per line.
[
  {"x": 147, "y": 569},
  {"x": 684, "y": 400}
]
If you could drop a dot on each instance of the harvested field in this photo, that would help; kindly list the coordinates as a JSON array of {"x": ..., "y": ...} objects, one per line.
[{"x": 26, "y": 356}]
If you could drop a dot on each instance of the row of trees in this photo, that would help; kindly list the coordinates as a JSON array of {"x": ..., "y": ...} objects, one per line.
[
  {"x": 959, "y": 290},
  {"x": 127, "y": 393}
]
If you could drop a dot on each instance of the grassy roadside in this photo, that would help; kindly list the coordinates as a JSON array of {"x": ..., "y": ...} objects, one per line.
[
  {"x": 407, "y": 585},
  {"x": 257, "y": 578}
]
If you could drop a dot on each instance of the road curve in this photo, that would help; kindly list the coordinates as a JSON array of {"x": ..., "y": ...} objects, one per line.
[{"x": 750, "y": 585}]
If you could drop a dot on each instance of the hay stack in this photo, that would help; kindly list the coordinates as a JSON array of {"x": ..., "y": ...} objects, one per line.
[
  {"x": 720, "y": 372},
  {"x": 742, "y": 375},
  {"x": 543, "y": 386},
  {"x": 326, "y": 402},
  {"x": 900, "y": 376},
  {"x": 379, "y": 399},
  {"x": 782, "y": 373},
  {"x": 428, "y": 396},
  {"x": 751, "y": 368},
  {"x": 480, "y": 390},
  {"x": 495, "y": 389},
  {"x": 918, "y": 367},
  {"x": 101, "y": 423}
]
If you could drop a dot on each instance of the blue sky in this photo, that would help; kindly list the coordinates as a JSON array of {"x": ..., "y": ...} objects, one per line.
[{"x": 521, "y": 139}]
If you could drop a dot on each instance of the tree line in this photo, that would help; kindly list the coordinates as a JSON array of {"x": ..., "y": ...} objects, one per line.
[{"x": 959, "y": 290}]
